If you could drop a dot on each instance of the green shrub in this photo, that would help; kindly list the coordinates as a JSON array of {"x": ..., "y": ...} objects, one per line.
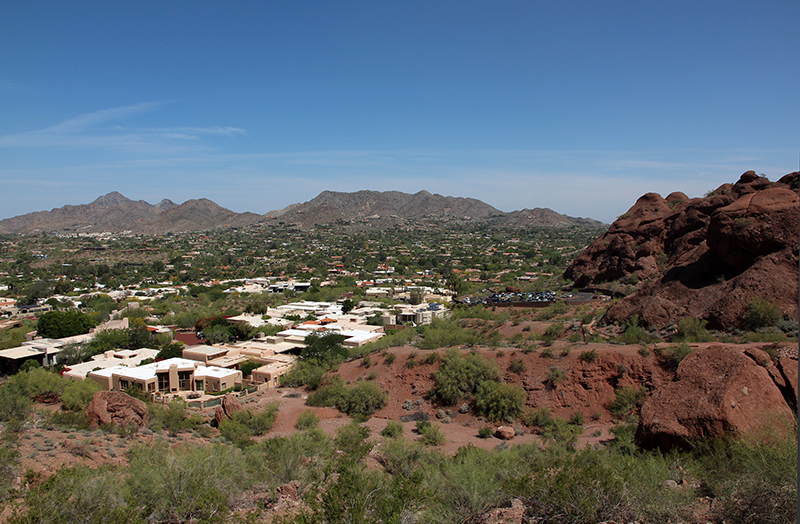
[
  {"x": 754, "y": 479},
  {"x": 362, "y": 399},
  {"x": 675, "y": 354},
  {"x": 691, "y": 329},
  {"x": 248, "y": 366},
  {"x": 485, "y": 432},
  {"x": 537, "y": 418},
  {"x": 431, "y": 358},
  {"x": 78, "y": 393},
  {"x": 554, "y": 330},
  {"x": 307, "y": 420},
  {"x": 393, "y": 429},
  {"x": 501, "y": 402},
  {"x": 304, "y": 373},
  {"x": 184, "y": 483},
  {"x": 517, "y": 366},
  {"x": 762, "y": 313},
  {"x": 442, "y": 333},
  {"x": 389, "y": 358},
  {"x": 458, "y": 377},
  {"x": 634, "y": 333},
  {"x": 626, "y": 400},
  {"x": 351, "y": 440},
  {"x": 576, "y": 419},
  {"x": 554, "y": 377},
  {"x": 588, "y": 356},
  {"x": 431, "y": 435}
]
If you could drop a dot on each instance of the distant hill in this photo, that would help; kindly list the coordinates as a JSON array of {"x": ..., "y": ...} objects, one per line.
[{"x": 360, "y": 210}]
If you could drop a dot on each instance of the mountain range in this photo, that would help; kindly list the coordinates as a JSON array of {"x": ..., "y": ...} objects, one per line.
[{"x": 360, "y": 210}]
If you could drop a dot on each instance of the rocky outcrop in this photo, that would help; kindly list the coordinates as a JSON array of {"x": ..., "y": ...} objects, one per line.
[
  {"x": 719, "y": 391},
  {"x": 116, "y": 408},
  {"x": 229, "y": 405},
  {"x": 702, "y": 257},
  {"x": 504, "y": 432}
]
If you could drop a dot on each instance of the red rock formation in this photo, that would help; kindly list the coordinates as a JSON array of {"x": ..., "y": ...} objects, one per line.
[
  {"x": 702, "y": 257},
  {"x": 720, "y": 390},
  {"x": 229, "y": 405},
  {"x": 117, "y": 409}
]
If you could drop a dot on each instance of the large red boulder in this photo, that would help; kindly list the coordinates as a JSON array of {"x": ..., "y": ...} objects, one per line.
[
  {"x": 229, "y": 405},
  {"x": 116, "y": 408},
  {"x": 719, "y": 391}
]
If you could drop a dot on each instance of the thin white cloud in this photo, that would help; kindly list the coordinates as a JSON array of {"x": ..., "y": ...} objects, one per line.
[{"x": 100, "y": 130}]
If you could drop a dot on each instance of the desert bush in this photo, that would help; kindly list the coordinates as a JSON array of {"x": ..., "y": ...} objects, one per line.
[
  {"x": 184, "y": 484},
  {"x": 78, "y": 495},
  {"x": 500, "y": 402},
  {"x": 351, "y": 440},
  {"x": 393, "y": 429},
  {"x": 304, "y": 373},
  {"x": 588, "y": 356},
  {"x": 558, "y": 307},
  {"x": 626, "y": 400},
  {"x": 517, "y": 366},
  {"x": 634, "y": 333},
  {"x": 691, "y": 329},
  {"x": 173, "y": 417},
  {"x": 444, "y": 333},
  {"x": 554, "y": 330},
  {"x": 485, "y": 432},
  {"x": 554, "y": 377},
  {"x": 561, "y": 432},
  {"x": 431, "y": 435},
  {"x": 364, "y": 398},
  {"x": 431, "y": 358},
  {"x": 280, "y": 460},
  {"x": 754, "y": 479},
  {"x": 762, "y": 313},
  {"x": 459, "y": 377},
  {"x": 389, "y": 358},
  {"x": 674, "y": 355},
  {"x": 248, "y": 366},
  {"x": 537, "y": 418},
  {"x": 78, "y": 393},
  {"x": 576, "y": 419},
  {"x": 15, "y": 404}
]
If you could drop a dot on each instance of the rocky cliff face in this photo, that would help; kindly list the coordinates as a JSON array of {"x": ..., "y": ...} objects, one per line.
[{"x": 702, "y": 257}]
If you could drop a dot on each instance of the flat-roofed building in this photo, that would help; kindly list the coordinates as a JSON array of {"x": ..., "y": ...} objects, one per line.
[
  {"x": 123, "y": 357},
  {"x": 168, "y": 376}
]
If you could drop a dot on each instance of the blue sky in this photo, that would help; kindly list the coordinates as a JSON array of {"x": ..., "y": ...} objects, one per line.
[{"x": 581, "y": 107}]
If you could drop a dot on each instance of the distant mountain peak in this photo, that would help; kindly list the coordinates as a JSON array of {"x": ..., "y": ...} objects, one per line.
[
  {"x": 165, "y": 204},
  {"x": 111, "y": 199}
]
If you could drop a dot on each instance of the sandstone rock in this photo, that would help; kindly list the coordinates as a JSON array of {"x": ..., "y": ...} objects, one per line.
[
  {"x": 702, "y": 257},
  {"x": 719, "y": 391},
  {"x": 504, "y": 432},
  {"x": 117, "y": 409},
  {"x": 229, "y": 405}
]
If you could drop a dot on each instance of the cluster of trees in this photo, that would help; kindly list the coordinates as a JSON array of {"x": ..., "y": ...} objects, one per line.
[{"x": 62, "y": 324}]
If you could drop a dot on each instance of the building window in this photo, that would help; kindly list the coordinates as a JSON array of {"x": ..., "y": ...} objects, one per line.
[
  {"x": 151, "y": 386},
  {"x": 198, "y": 385},
  {"x": 163, "y": 381},
  {"x": 123, "y": 384},
  {"x": 184, "y": 380}
]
